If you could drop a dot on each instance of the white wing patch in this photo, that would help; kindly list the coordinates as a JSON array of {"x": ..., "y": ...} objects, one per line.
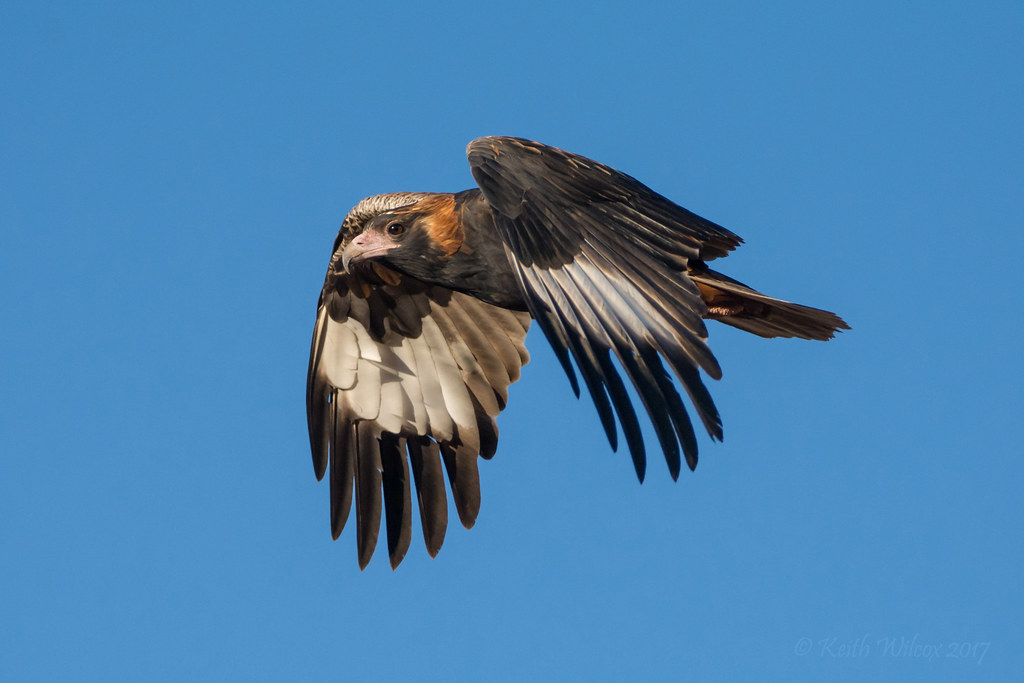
[
  {"x": 407, "y": 370},
  {"x": 467, "y": 354}
]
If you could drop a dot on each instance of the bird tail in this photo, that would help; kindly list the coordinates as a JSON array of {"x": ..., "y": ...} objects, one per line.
[{"x": 733, "y": 303}]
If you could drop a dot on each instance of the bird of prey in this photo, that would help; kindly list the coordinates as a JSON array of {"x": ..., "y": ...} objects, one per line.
[{"x": 423, "y": 315}]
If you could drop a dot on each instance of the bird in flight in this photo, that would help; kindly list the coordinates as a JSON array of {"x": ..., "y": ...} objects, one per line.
[{"x": 422, "y": 319}]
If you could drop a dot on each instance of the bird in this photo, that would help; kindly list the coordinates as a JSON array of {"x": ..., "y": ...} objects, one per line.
[{"x": 422, "y": 320}]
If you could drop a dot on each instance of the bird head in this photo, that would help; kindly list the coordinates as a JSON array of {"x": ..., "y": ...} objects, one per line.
[
  {"x": 407, "y": 237},
  {"x": 381, "y": 235}
]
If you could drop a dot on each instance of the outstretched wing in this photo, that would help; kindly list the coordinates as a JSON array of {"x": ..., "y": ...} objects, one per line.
[
  {"x": 602, "y": 260},
  {"x": 398, "y": 367}
]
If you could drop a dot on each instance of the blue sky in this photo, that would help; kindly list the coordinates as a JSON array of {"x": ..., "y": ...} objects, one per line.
[{"x": 171, "y": 180}]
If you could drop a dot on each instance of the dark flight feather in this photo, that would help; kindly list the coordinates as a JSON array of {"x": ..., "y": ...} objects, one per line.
[
  {"x": 397, "y": 496},
  {"x": 368, "y": 494},
  {"x": 425, "y": 458}
]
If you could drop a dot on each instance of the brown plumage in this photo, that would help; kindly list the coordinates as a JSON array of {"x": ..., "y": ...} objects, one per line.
[
  {"x": 424, "y": 311},
  {"x": 439, "y": 220}
]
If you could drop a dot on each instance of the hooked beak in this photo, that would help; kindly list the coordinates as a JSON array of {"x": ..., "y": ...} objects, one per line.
[{"x": 365, "y": 245}]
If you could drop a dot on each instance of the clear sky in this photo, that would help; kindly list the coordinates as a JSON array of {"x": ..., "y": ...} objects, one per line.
[{"x": 171, "y": 180}]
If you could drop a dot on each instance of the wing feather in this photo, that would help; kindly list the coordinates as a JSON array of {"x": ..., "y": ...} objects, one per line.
[
  {"x": 464, "y": 478},
  {"x": 489, "y": 359},
  {"x": 397, "y": 497},
  {"x": 425, "y": 459},
  {"x": 509, "y": 343},
  {"x": 343, "y": 468},
  {"x": 464, "y": 352},
  {"x": 364, "y": 396},
  {"x": 441, "y": 426},
  {"x": 368, "y": 493},
  {"x": 453, "y": 387}
]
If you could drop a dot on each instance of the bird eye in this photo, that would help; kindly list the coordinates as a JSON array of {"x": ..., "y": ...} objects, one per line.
[{"x": 395, "y": 229}]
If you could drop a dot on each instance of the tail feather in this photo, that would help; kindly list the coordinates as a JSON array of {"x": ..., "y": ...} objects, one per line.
[{"x": 733, "y": 303}]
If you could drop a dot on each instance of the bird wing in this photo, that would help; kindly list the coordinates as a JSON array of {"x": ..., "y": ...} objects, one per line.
[
  {"x": 602, "y": 261},
  {"x": 399, "y": 366}
]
